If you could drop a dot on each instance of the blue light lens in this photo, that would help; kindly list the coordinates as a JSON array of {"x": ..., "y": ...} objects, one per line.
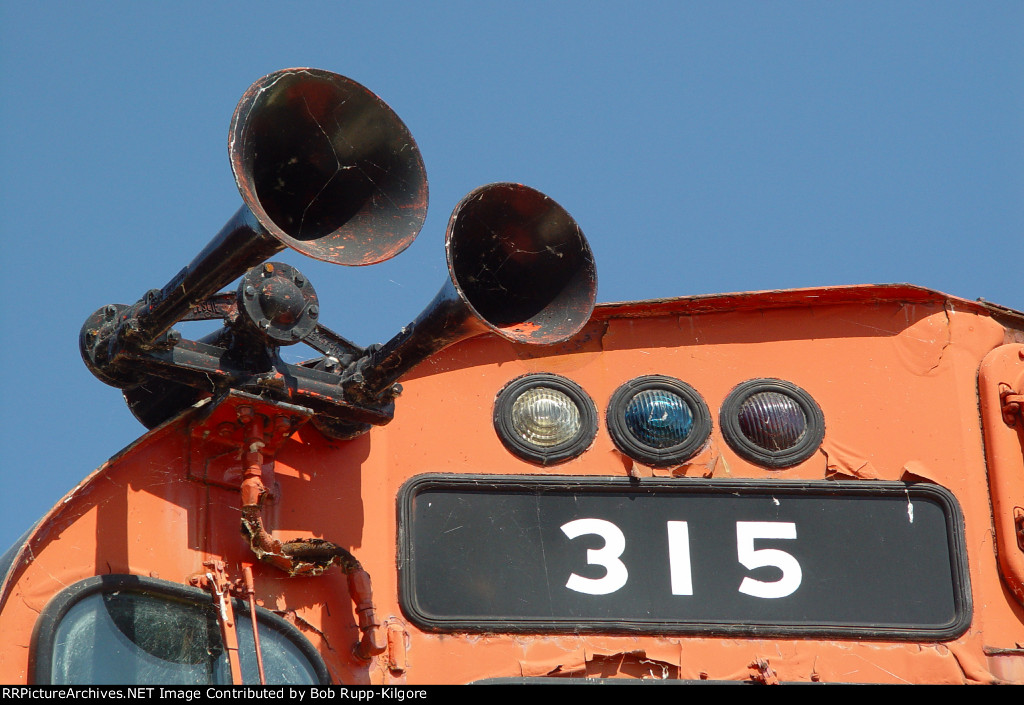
[{"x": 659, "y": 418}]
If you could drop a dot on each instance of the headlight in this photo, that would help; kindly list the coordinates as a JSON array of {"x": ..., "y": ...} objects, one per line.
[{"x": 545, "y": 418}]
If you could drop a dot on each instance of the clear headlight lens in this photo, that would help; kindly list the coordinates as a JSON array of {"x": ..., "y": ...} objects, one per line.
[{"x": 545, "y": 417}]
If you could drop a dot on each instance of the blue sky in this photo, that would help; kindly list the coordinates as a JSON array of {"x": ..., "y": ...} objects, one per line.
[{"x": 703, "y": 147}]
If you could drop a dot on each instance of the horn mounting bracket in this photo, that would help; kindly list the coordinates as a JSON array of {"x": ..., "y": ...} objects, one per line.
[{"x": 274, "y": 305}]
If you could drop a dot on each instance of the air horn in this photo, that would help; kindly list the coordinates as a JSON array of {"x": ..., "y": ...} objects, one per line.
[
  {"x": 519, "y": 267},
  {"x": 324, "y": 167}
]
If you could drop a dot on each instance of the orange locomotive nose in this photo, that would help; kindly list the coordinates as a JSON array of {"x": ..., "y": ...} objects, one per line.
[{"x": 786, "y": 486}]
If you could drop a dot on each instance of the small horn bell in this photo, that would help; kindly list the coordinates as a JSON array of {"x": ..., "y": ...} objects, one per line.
[{"x": 519, "y": 267}]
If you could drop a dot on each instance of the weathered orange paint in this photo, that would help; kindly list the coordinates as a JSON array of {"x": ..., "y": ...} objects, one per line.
[{"x": 895, "y": 370}]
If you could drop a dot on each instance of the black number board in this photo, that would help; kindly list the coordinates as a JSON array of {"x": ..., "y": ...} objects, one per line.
[{"x": 882, "y": 560}]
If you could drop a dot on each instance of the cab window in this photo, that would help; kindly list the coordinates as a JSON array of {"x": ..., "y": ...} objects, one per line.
[{"x": 126, "y": 629}]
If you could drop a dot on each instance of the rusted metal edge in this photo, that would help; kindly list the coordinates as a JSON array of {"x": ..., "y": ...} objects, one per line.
[
  {"x": 199, "y": 410},
  {"x": 41, "y": 527},
  {"x": 784, "y": 298}
]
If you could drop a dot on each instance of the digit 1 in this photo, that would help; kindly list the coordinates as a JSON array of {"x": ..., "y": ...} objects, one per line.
[{"x": 679, "y": 558}]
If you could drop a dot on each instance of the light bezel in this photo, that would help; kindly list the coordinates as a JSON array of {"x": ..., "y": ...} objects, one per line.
[
  {"x": 633, "y": 447},
  {"x": 805, "y": 447},
  {"x": 561, "y": 452}
]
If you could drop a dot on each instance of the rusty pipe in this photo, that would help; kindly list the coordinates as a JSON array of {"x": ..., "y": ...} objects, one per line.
[
  {"x": 308, "y": 557},
  {"x": 370, "y": 643},
  {"x": 250, "y": 593},
  {"x": 254, "y": 492}
]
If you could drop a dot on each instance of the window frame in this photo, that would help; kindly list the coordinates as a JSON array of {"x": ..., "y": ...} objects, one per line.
[{"x": 42, "y": 646}]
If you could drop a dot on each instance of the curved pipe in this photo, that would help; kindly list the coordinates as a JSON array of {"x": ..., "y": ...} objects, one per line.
[{"x": 301, "y": 557}]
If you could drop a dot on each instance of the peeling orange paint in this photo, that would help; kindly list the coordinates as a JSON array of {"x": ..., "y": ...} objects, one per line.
[{"x": 894, "y": 369}]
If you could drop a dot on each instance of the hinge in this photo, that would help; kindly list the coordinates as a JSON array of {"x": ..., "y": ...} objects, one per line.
[
  {"x": 398, "y": 639},
  {"x": 1012, "y": 404},
  {"x": 1000, "y": 387}
]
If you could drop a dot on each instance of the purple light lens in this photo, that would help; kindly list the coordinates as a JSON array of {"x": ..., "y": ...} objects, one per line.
[{"x": 772, "y": 421}]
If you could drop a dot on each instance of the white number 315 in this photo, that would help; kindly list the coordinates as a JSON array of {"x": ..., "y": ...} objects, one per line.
[{"x": 616, "y": 574}]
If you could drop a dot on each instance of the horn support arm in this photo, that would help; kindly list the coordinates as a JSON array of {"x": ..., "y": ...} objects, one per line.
[{"x": 275, "y": 305}]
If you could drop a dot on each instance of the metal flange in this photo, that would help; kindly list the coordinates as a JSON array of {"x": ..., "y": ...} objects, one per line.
[{"x": 279, "y": 302}]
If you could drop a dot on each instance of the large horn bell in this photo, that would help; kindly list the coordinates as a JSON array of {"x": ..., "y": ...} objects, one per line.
[
  {"x": 324, "y": 167},
  {"x": 327, "y": 168}
]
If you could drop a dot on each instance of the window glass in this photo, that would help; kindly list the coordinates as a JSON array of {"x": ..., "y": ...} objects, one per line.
[
  {"x": 135, "y": 637},
  {"x": 283, "y": 661}
]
